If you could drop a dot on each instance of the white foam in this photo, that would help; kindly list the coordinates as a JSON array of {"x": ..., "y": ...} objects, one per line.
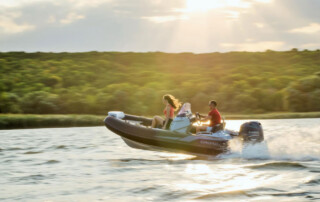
[
  {"x": 296, "y": 144},
  {"x": 293, "y": 139}
]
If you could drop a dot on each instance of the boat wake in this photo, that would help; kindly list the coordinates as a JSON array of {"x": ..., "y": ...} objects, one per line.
[{"x": 297, "y": 144}]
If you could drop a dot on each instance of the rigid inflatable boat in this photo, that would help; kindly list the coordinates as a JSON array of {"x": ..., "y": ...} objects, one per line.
[{"x": 180, "y": 138}]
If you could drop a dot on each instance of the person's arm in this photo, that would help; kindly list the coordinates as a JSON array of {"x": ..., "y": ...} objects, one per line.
[
  {"x": 167, "y": 117},
  {"x": 206, "y": 118}
]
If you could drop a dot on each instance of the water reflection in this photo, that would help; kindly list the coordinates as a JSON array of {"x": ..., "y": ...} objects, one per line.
[{"x": 221, "y": 177}]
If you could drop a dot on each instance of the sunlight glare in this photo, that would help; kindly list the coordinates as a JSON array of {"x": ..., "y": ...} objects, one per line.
[
  {"x": 241, "y": 179},
  {"x": 201, "y": 123},
  {"x": 176, "y": 156},
  {"x": 195, "y": 169},
  {"x": 234, "y": 124},
  {"x": 230, "y": 124}
]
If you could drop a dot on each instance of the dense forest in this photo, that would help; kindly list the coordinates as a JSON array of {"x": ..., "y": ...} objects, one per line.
[{"x": 97, "y": 82}]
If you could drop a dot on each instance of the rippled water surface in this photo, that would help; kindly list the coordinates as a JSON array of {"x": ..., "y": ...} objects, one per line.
[{"x": 93, "y": 164}]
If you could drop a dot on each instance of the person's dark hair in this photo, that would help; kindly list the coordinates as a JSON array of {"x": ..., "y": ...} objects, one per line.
[
  {"x": 213, "y": 102},
  {"x": 175, "y": 103}
]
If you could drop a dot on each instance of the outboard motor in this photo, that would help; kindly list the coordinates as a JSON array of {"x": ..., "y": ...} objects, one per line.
[{"x": 251, "y": 132}]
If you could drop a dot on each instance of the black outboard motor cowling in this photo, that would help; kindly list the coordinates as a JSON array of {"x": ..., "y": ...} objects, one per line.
[{"x": 251, "y": 132}]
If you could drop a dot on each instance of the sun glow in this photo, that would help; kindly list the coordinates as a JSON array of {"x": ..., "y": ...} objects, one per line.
[{"x": 206, "y": 5}]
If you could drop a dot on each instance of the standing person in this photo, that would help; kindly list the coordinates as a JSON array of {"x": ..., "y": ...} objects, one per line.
[
  {"x": 172, "y": 104},
  {"x": 213, "y": 116}
]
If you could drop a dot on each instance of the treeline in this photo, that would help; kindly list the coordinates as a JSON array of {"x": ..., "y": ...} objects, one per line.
[{"x": 97, "y": 82}]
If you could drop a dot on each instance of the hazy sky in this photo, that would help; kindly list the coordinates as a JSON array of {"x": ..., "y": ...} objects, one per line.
[{"x": 159, "y": 25}]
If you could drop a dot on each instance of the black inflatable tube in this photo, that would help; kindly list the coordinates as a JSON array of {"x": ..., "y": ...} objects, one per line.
[
  {"x": 149, "y": 136},
  {"x": 144, "y": 121}
]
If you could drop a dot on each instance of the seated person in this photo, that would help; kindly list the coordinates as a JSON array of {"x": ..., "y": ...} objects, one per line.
[
  {"x": 172, "y": 104},
  {"x": 213, "y": 116}
]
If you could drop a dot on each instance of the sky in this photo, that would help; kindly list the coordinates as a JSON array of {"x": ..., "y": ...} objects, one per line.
[{"x": 198, "y": 26}]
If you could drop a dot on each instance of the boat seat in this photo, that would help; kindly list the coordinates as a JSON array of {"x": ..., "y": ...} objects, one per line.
[{"x": 218, "y": 127}]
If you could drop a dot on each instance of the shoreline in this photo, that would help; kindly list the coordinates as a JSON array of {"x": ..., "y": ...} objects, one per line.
[
  {"x": 24, "y": 121},
  {"x": 273, "y": 115}
]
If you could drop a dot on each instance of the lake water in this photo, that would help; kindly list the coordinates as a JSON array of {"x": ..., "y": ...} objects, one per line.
[{"x": 93, "y": 164}]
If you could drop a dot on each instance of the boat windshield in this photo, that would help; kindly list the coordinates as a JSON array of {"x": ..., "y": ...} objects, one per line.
[{"x": 185, "y": 109}]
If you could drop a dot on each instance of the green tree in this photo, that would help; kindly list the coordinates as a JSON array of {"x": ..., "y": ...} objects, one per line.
[
  {"x": 39, "y": 102},
  {"x": 9, "y": 103}
]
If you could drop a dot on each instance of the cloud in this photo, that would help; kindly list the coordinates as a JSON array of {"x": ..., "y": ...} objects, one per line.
[
  {"x": 259, "y": 25},
  {"x": 206, "y": 5},
  {"x": 255, "y": 46},
  {"x": 74, "y": 3},
  {"x": 85, "y": 3},
  {"x": 9, "y": 26},
  {"x": 263, "y": 1},
  {"x": 168, "y": 18},
  {"x": 311, "y": 46},
  {"x": 15, "y": 3},
  {"x": 309, "y": 29},
  {"x": 232, "y": 14},
  {"x": 158, "y": 25},
  {"x": 71, "y": 17}
]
